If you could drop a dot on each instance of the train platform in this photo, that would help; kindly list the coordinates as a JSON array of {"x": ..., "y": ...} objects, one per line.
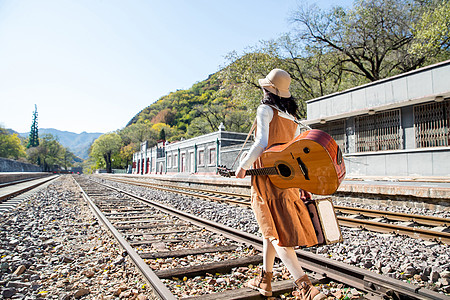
[
  {"x": 419, "y": 187},
  {"x": 7, "y": 190},
  {"x": 16, "y": 176}
]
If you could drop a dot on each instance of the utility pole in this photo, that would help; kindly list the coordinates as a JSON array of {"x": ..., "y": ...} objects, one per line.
[{"x": 33, "y": 140}]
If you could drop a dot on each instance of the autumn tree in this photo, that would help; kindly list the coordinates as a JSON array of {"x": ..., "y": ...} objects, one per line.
[
  {"x": 164, "y": 116},
  {"x": 163, "y": 131},
  {"x": 126, "y": 153}
]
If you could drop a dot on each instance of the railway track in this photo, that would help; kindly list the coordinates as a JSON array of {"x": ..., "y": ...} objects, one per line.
[
  {"x": 416, "y": 226},
  {"x": 134, "y": 221},
  {"x": 146, "y": 229}
]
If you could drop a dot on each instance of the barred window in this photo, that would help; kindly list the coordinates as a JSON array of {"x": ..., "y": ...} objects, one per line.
[
  {"x": 431, "y": 124},
  {"x": 381, "y": 131},
  {"x": 336, "y": 129}
]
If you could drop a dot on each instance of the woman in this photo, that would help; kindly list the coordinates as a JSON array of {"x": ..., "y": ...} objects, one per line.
[{"x": 282, "y": 216}]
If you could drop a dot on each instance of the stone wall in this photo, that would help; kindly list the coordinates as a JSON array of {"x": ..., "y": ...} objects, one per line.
[{"x": 9, "y": 165}]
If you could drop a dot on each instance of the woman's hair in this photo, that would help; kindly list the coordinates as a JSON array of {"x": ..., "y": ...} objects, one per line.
[{"x": 287, "y": 105}]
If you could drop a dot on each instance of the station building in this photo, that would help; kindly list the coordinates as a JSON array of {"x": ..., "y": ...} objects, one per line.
[
  {"x": 199, "y": 155},
  {"x": 398, "y": 126}
]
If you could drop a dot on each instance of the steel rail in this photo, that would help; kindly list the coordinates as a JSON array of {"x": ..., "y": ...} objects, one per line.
[
  {"x": 187, "y": 191},
  {"x": 420, "y": 219},
  {"x": 375, "y": 285},
  {"x": 343, "y": 221},
  {"x": 159, "y": 287},
  {"x": 397, "y": 229},
  {"x": 246, "y": 196},
  {"x": 235, "y": 234}
]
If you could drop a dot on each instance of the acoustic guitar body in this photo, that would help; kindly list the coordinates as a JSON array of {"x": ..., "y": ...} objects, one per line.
[{"x": 312, "y": 162}]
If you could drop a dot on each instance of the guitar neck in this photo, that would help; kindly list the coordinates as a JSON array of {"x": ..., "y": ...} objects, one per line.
[{"x": 262, "y": 171}]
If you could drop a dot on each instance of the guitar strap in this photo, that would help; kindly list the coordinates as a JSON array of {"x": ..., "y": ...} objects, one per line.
[
  {"x": 254, "y": 126},
  {"x": 291, "y": 117},
  {"x": 248, "y": 136}
]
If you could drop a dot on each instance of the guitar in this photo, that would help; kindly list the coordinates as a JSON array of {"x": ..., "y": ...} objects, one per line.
[{"x": 312, "y": 161}]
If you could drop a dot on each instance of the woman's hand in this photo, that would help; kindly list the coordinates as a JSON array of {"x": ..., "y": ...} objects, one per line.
[{"x": 240, "y": 173}]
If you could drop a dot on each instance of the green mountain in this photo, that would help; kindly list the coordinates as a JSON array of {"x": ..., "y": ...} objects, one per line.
[
  {"x": 197, "y": 110},
  {"x": 78, "y": 143}
]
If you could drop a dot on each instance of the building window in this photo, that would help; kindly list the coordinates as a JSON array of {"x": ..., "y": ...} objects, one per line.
[
  {"x": 183, "y": 162},
  {"x": 336, "y": 129},
  {"x": 212, "y": 156},
  {"x": 175, "y": 160},
  {"x": 432, "y": 124},
  {"x": 201, "y": 157},
  {"x": 381, "y": 131},
  {"x": 169, "y": 161}
]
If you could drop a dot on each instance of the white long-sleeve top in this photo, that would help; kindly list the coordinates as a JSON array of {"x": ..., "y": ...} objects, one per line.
[{"x": 264, "y": 115}]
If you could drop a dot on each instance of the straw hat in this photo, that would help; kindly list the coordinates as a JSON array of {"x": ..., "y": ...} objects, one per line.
[{"x": 277, "y": 82}]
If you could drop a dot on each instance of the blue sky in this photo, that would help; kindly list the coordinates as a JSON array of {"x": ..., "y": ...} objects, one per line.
[{"x": 91, "y": 65}]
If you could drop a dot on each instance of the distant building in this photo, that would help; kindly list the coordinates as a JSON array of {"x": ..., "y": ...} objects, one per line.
[
  {"x": 398, "y": 126},
  {"x": 199, "y": 155}
]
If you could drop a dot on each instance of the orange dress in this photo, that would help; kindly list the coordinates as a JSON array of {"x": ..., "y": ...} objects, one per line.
[{"x": 280, "y": 213}]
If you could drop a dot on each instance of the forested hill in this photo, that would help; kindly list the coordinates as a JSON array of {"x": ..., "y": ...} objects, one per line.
[{"x": 196, "y": 111}]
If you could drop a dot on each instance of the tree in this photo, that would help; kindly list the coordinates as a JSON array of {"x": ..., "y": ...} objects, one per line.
[
  {"x": 330, "y": 51},
  {"x": 199, "y": 126},
  {"x": 372, "y": 39},
  {"x": 138, "y": 133},
  {"x": 10, "y": 145},
  {"x": 49, "y": 153},
  {"x": 104, "y": 147},
  {"x": 164, "y": 116},
  {"x": 315, "y": 71},
  {"x": 68, "y": 158},
  {"x": 33, "y": 140},
  {"x": 162, "y": 135},
  {"x": 432, "y": 33},
  {"x": 162, "y": 127},
  {"x": 126, "y": 153},
  {"x": 243, "y": 71}
]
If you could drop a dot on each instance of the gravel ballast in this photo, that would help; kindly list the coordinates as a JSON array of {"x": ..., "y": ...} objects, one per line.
[
  {"x": 51, "y": 246},
  {"x": 425, "y": 264}
]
